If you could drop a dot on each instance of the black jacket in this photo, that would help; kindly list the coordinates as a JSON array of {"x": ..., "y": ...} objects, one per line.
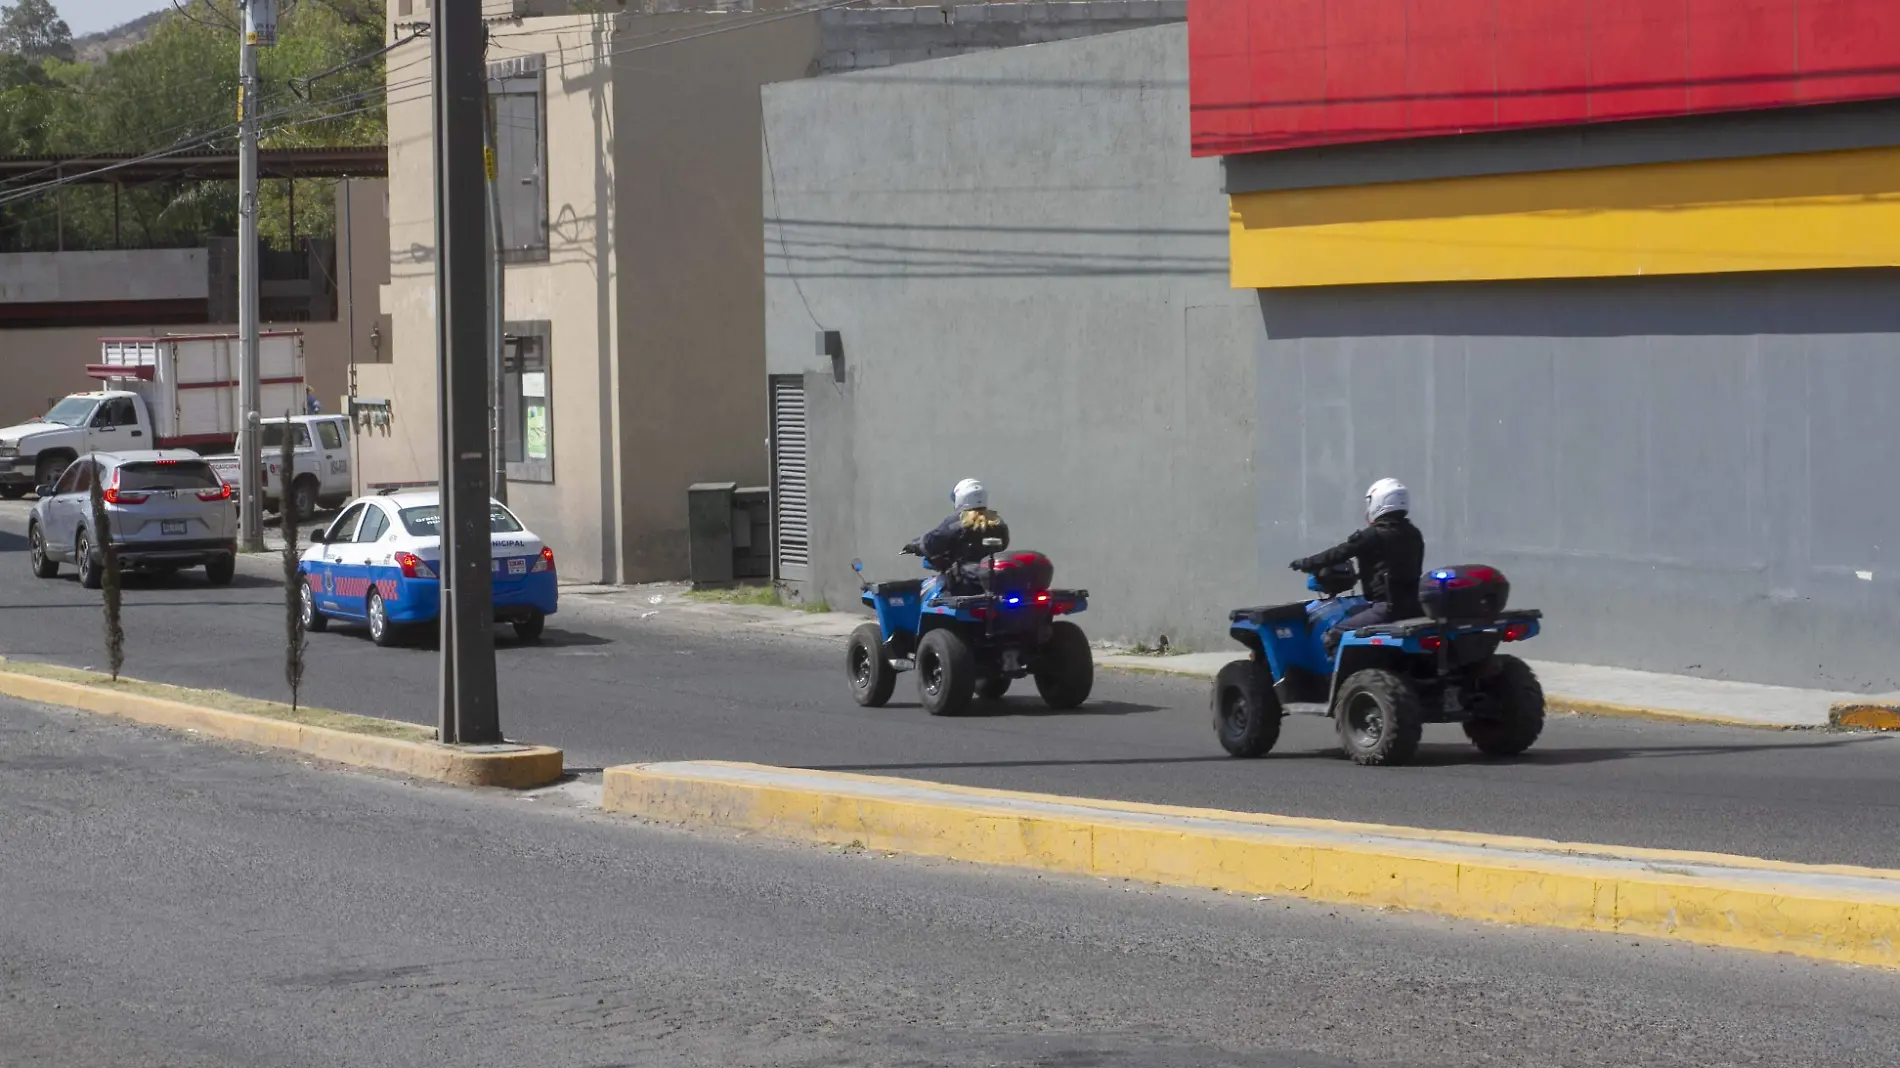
[
  {"x": 1391, "y": 556},
  {"x": 952, "y": 544}
]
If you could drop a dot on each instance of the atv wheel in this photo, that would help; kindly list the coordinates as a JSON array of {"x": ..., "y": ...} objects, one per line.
[
  {"x": 872, "y": 679},
  {"x": 946, "y": 672},
  {"x": 1516, "y": 710},
  {"x": 1246, "y": 710},
  {"x": 1065, "y": 667},
  {"x": 1379, "y": 718},
  {"x": 992, "y": 687}
]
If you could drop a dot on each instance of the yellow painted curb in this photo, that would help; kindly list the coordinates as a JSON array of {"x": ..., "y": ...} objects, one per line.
[
  {"x": 1578, "y": 707},
  {"x": 528, "y": 767},
  {"x": 1820, "y": 912},
  {"x": 1865, "y": 717}
]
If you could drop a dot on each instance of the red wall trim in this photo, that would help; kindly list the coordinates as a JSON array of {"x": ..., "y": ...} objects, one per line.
[{"x": 1277, "y": 74}]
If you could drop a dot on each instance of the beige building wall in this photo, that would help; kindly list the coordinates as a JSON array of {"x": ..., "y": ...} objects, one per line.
[
  {"x": 572, "y": 292},
  {"x": 653, "y": 289},
  {"x": 692, "y": 311},
  {"x": 40, "y": 366}
]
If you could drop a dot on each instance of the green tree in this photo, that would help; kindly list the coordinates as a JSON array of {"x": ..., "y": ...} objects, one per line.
[
  {"x": 180, "y": 86},
  {"x": 33, "y": 28}
]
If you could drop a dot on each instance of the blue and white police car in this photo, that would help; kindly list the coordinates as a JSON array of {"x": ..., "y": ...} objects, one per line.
[{"x": 377, "y": 565}]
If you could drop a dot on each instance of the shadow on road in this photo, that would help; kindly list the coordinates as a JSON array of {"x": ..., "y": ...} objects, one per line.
[
  {"x": 970, "y": 765},
  {"x": 1031, "y": 707},
  {"x": 13, "y": 543}
]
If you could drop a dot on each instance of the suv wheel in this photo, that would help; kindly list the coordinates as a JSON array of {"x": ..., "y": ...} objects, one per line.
[
  {"x": 92, "y": 567},
  {"x": 44, "y": 566}
]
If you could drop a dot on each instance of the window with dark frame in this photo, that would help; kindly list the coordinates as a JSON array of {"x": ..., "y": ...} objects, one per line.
[
  {"x": 517, "y": 90},
  {"x": 528, "y": 403}
]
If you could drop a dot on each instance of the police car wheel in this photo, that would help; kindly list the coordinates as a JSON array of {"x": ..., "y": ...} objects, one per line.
[
  {"x": 381, "y": 630},
  {"x": 529, "y": 629},
  {"x": 314, "y": 622}
]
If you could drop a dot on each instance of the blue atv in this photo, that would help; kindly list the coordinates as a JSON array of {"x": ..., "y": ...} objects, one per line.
[
  {"x": 1385, "y": 682},
  {"x": 970, "y": 632}
]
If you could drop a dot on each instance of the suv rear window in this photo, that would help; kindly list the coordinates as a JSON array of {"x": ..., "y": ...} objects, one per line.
[
  {"x": 168, "y": 475},
  {"x": 426, "y": 521}
]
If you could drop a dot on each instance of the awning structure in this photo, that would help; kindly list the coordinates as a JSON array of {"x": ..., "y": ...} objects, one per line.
[{"x": 203, "y": 164}]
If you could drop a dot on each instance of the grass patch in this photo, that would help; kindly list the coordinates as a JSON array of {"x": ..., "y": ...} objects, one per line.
[
  {"x": 765, "y": 596},
  {"x": 224, "y": 701},
  {"x": 760, "y": 596}
]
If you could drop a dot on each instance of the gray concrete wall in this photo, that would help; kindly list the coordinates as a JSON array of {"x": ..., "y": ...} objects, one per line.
[
  {"x": 1689, "y": 475},
  {"x": 862, "y": 38},
  {"x": 1029, "y": 273},
  {"x": 130, "y": 274}
]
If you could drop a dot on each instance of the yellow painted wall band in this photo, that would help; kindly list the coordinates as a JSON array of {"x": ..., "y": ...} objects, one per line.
[{"x": 1772, "y": 213}]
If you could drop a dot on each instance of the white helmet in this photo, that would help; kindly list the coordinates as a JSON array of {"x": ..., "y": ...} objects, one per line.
[
  {"x": 1386, "y": 496},
  {"x": 970, "y": 494}
]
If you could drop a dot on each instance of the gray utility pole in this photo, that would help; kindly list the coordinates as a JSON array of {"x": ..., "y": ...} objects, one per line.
[
  {"x": 497, "y": 304},
  {"x": 260, "y": 31},
  {"x": 468, "y": 711}
]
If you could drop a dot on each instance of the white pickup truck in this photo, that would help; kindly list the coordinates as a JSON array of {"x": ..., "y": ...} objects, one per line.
[
  {"x": 160, "y": 393},
  {"x": 320, "y": 475}
]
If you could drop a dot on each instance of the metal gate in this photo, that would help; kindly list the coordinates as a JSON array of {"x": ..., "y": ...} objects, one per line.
[{"x": 791, "y": 491}]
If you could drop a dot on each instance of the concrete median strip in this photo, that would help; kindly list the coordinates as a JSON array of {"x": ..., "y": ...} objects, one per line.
[
  {"x": 381, "y": 744},
  {"x": 1833, "y": 913}
]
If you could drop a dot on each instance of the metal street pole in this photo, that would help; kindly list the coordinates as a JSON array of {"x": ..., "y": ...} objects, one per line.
[
  {"x": 468, "y": 712},
  {"x": 260, "y": 31},
  {"x": 497, "y": 304}
]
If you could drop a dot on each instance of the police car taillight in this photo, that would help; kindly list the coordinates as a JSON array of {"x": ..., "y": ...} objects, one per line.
[
  {"x": 545, "y": 562},
  {"x": 414, "y": 566}
]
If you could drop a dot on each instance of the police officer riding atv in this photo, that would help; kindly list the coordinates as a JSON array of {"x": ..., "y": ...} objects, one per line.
[
  {"x": 1414, "y": 650},
  {"x": 985, "y": 618}
]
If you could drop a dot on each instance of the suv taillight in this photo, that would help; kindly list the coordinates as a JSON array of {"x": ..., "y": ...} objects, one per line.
[
  {"x": 115, "y": 495},
  {"x": 222, "y": 493}
]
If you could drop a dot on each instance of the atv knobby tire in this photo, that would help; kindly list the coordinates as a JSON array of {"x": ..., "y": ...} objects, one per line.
[
  {"x": 1246, "y": 710},
  {"x": 946, "y": 672},
  {"x": 1065, "y": 667},
  {"x": 1379, "y": 718},
  {"x": 868, "y": 669},
  {"x": 1517, "y": 707}
]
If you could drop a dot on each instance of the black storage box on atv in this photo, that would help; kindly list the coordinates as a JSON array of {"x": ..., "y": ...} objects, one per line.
[
  {"x": 1464, "y": 592},
  {"x": 1020, "y": 571}
]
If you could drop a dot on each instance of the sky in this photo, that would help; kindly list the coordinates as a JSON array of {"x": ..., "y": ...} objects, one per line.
[{"x": 91, "y": 16}]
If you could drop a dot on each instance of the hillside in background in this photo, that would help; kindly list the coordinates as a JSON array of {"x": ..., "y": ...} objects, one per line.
[{"x": 95, "y": 47}]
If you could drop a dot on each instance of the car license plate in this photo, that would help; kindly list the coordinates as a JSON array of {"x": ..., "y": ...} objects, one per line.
[
  {"x": 518, "y": 566},
  {"x": 171, "y": 526}
]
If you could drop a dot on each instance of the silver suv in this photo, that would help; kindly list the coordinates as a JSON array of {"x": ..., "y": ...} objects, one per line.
[{"x": 168, "y": 510}]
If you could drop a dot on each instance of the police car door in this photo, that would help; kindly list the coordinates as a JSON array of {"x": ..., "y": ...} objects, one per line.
[{"x": 338, "y": 543}]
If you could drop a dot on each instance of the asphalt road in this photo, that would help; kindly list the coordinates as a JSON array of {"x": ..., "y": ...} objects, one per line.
[
  {"x": 610, "y": 688},
  {"x": 180, "y": 903}
]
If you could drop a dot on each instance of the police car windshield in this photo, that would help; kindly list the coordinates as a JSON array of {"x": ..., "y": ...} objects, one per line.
[{"x": 426, "y": 521}]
